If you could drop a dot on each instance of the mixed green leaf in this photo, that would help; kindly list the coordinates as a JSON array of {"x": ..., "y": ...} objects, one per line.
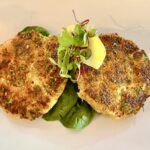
[
  {"x": 67, "y": 100},
  {"x": 70, "y": 110},
  {"x": 73, "y": 47},
  {"x": 42, "y": 30},
  {"x": 79, "y": 116}
]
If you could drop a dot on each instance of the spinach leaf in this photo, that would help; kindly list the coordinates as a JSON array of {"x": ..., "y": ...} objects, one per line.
[
  {"x": 79, "y": 116},
  {"x": 67, "y": 100},
  {"x": 42, "y": 30}
]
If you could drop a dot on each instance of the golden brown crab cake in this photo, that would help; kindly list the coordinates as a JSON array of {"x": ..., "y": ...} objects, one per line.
[
  {"x": 29, "y": 83},
  {"x": 122, "y": 84}
]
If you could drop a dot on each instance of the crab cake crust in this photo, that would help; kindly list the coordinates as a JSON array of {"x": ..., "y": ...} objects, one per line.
[
  {"x": 122, "y": 84},
  {"x": 29, "y": 83}
]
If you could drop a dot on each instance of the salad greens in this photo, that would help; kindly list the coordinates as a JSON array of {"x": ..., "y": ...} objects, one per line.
[
  {"x": 70, "y": 110},
  {"x": 67, "y": 100},
  {"x": 73, "y": 47},
  {"x": 79, "y": 116},
  {"x": 42, "y": 30}
]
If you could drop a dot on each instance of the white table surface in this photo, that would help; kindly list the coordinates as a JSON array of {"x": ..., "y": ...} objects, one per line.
[{"x": 129, "y": 18}]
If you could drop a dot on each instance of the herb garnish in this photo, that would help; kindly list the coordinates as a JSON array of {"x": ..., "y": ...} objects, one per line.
[{"x": 73, "y": 48}]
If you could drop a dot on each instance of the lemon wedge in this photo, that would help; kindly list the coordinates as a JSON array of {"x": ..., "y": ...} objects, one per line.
[{"x": 98, "y": 53}]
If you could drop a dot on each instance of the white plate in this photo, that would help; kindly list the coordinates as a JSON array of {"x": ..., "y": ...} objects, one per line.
[{"x": 129, "y": 18}]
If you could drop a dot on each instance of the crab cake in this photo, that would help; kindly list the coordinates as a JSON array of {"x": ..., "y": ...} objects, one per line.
[
  {"x": 122, "y": 84},
  {"x": 29, "y": 83}
]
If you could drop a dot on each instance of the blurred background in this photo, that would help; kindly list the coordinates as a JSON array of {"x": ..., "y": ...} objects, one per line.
[{"x": 124, "y": 16}]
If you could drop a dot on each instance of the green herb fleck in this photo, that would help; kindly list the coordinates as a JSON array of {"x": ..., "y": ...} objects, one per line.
[{"x": 8, "y": 101}]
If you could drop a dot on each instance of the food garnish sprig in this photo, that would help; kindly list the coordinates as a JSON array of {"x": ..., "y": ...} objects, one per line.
[{"x": 74, "y": 48}]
